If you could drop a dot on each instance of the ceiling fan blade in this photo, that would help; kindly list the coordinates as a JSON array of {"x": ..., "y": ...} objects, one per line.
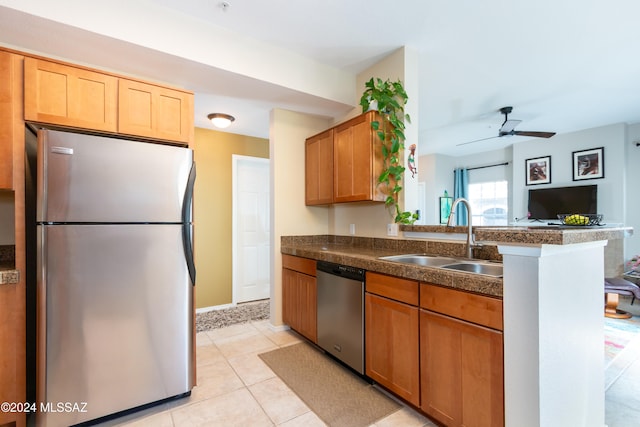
[
  {"x": 476, "y": 140},
  {"x": 534, "y": 134},
  {"x": 509, "y": 125}
]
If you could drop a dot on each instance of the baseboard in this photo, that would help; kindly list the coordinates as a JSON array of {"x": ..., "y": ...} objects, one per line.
[{"x": 214, "y": 308}]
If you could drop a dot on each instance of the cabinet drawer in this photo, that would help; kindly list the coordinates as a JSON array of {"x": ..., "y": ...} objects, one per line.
[
  {"x": 396, "y": 288},
  {"x": 479, "y": 309},
  {"x": 302, "y": 265}
]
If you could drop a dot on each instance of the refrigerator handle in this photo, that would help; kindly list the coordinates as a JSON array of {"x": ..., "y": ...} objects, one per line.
[{"x": 187, "y": 240}]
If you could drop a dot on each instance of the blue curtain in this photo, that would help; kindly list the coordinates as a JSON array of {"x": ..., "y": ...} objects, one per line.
[{"x": 461, "y": 189}]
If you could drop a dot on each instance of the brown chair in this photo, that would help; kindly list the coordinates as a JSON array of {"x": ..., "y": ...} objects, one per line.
[{"x": 613, "y": 288}]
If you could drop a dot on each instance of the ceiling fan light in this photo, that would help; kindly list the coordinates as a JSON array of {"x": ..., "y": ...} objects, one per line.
[{"x": 221, "y": 120}]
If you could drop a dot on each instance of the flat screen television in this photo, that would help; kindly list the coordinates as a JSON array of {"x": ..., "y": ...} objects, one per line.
[{"x": 547, "y": 203}]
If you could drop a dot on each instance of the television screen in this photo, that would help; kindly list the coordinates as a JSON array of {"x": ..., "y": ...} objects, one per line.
[{"x": 547, "y": 203}]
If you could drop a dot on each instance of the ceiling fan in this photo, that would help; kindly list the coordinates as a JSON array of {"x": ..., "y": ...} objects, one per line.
[{"x": 508, "y": 129}]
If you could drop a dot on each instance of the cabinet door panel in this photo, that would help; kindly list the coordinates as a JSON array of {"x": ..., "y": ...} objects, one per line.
[
  {"x": 353, "y": 180},
  {"x": 308, "y": 306},
  {"x": 69, "y": 96},
  {"x": 299, "y": 303},
  {"x": 155, "y": 112},
  {"x": 392, "y": 351},
  {"x": 10, "y": 114},
  {"x": 319, "y": 169},
  {"x": 461, "y": 372}
]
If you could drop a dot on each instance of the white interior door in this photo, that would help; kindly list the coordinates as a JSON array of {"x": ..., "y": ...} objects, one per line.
[{"x": 251, "y": 248}]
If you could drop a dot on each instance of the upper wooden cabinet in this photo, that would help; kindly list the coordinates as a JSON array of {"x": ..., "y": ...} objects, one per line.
[
  {"x": 64, "y": 95},
  {"x": 155, "y": 111},
  {"x": 319, "y": 169},
  {"x": 356, "y": 161},
  {"x": 355, "y": 165},
  {"x": 10, "y": 114}
]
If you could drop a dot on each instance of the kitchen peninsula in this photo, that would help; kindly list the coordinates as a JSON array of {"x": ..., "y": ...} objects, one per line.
[{"x": 552, "y": 298}]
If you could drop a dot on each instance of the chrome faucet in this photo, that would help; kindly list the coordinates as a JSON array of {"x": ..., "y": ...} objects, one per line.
[{"x": 470, "y": 242}]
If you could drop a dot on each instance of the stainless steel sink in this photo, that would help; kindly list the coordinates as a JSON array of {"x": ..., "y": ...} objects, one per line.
[
  {"x": 419, "y": 259},
  {"x": 469, "y": 266},
  {"x": 477, "y": 268}
]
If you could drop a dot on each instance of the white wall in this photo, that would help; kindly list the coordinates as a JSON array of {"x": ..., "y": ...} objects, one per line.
[
  {"x": 611, "y": 192},
  {"x": 437, "y": 174},
  {"x": 371, "y": 219},
  {"x": 632, "y": 192},
  {"x": 289, "y": 214}
]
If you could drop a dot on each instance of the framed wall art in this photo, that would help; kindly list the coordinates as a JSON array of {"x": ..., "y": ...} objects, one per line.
[
  {"x": 538, "y": 170},
  {"x": 588, "y": 164}
]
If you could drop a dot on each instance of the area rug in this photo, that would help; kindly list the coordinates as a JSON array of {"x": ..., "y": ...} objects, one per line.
[
  {"x": 336, "y": 395},
  {"x": 618, "y": 334},
  {"x": 242, "y": 313}
]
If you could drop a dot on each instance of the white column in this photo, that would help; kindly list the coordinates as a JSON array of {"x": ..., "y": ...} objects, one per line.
[{"x": 553, "y": 303}]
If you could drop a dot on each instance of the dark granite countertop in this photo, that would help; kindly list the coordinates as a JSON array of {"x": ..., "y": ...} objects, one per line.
[
  {"x": 535, "y": 235},
  {"x": 365, "y": 252}
]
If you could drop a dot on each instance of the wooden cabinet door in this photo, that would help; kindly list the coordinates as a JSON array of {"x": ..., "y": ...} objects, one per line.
[
  {"x": 319, "y": 169},
  {"x": 69, "y": 96},
  {"x": 299, "y": 303},
  {"x": 308, "y": 298},
  {"x": 10, "y": 114},
  {"x": 392, "y": 350},
  {"x": 289, "y": 298},
  {"x": 461, "y": 372},
  {"x": 352, "y": 161},
  {"x": 155, "y": 112}
]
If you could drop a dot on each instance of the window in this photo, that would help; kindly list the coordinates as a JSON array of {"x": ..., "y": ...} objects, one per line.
[{"x": 489, "y": 203}]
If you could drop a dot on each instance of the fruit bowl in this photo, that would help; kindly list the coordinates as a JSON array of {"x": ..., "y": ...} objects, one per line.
[{"x": 580, "y": 219}]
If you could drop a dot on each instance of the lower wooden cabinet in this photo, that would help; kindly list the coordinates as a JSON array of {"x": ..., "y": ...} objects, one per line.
[
  {"x": 299, "y": 296},
  {"x": 392, "y": 335},
  {"x": 392, "y": 352},
  {"x": 461, "y": 363}
]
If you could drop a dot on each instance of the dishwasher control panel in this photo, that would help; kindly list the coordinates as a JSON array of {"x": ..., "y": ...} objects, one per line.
[{"x": 354, "y": 273}]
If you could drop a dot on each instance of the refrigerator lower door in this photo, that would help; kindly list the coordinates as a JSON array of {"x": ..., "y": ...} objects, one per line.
[{"x": 115, "y": 320}]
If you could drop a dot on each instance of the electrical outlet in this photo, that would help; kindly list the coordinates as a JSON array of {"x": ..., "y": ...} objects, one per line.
[
  {"x": 392, "y": 229},
  {"x": 352, "y": 229}
]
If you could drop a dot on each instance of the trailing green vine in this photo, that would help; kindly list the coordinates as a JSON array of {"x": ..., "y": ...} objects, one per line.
[{"x": 390, "y": 98}]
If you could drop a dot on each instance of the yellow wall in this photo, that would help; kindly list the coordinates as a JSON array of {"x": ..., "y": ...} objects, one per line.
[{"x": 212, "y": 210}]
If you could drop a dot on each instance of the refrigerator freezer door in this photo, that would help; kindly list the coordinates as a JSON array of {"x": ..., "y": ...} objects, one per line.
[
  {"x": 86, "y": 178},
  {"x": 116, "y": 328}
]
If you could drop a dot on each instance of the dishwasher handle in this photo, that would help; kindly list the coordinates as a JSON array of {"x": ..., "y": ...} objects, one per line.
[{"x": 345, "y": 271}]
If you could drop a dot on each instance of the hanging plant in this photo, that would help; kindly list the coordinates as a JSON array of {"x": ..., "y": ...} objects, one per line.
[{"x": 389, "y": 98}]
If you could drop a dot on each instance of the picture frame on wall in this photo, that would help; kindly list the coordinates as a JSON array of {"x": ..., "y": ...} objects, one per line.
[
  {"x": 445, "y": 209},
  {"x": 588, "y": 164},
  {"x": 538, "y": 170}
]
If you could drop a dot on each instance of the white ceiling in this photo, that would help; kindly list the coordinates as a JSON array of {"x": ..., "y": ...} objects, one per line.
[{"x": 564, "y": 65}]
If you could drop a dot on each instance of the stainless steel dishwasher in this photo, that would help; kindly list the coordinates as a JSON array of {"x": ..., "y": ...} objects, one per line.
[{"x": 341, "y": 312}]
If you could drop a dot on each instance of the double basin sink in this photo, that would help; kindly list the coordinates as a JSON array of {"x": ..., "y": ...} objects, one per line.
[{"x": 470, "y": 266}]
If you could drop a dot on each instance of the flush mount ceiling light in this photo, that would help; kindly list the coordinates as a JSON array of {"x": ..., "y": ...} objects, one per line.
[{"x": 220, "y": 120}]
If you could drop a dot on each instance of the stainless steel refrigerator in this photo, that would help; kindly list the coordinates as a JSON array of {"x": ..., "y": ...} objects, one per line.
[{"x": 115, "y": 276}]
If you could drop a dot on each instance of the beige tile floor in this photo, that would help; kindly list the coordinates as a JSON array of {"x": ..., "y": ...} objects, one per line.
[{"x": 235, "y": 388}]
